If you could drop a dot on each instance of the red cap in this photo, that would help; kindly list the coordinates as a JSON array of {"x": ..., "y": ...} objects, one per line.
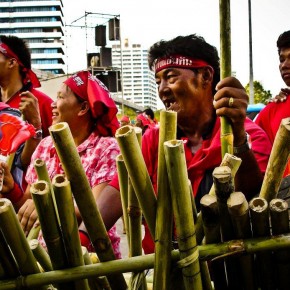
[{"x": 125, "y": 119}]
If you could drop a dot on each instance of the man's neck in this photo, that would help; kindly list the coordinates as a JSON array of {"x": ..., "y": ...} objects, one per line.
[{"x": 9, "y": 89}]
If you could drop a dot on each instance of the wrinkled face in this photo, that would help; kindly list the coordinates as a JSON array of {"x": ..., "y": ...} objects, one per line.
[
  {"x": 184, "y": 91},
  {"x": 284, "y": 65},
  {"x": 66, "y": 107},
  {"x": 4, "y": 65}
]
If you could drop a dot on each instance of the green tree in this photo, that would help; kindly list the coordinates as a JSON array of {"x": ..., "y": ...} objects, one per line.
[{"x": 260, "y": 94}]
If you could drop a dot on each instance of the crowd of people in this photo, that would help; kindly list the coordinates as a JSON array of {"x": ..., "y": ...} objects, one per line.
[{"x": 187, "y": 74}]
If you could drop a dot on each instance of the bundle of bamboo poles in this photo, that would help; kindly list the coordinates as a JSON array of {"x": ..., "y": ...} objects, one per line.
[{"x": 244, "y": 245}]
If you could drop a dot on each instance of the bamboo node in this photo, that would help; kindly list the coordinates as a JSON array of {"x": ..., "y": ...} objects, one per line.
[
  {"x": 101, "y": 245},
  {"x": 188, "y": 260},
  {"x": 134, "y": 211}
]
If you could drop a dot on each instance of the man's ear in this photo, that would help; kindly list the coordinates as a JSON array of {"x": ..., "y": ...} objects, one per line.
[
  {"x": 84, "y": 108},
  {"x": 207, "y": 75}
]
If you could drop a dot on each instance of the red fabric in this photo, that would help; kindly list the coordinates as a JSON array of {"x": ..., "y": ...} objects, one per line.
[
  {"x": 145, "y": 121},
  {"x": 178, "y": 61},
  {"x": 86, "y": 242},
  {"x": 15, "y": 194},
  {"x": 269, "y": 119},
  {"x": 44, "y": 103},
  {"x": 29, "y": 74},
  {"x": 3, "y": 106},
  {"x": 103, "y": 107},
  {"x": 206, "y": 158},
  {"x": 125, "y": 119},
  {"x": 14, "y": 132}
]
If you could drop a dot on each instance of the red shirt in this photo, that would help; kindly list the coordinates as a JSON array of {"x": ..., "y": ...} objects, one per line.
[
  {"x": 44, "y": 102},
  {"x": 206, "y": 158},
  {"x": 269, "y": 119}
]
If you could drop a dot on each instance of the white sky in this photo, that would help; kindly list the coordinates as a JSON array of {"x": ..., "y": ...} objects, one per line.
[{"x": 145, "y": 22}]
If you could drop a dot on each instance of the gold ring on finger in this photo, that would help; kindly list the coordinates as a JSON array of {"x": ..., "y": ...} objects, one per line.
[{"x": 231, "y": 102}]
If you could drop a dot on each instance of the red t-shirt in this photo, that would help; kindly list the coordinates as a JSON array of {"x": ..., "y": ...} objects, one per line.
[
  {"x": 269, "y": 119},
  {"x": 206, "y": 158},
  {"x": 44, "y": 102}
]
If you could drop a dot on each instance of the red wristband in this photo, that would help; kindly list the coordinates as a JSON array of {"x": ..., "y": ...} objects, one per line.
[{"x": 15, "y": 194}]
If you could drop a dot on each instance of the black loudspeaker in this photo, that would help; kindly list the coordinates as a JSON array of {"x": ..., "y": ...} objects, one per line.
[
  {"x": 105, "y": 56},
  {"x": 100, "y": 35},
  {"x": 111, "y": 80},
  {"x": 93, "y": 60},
  {"x": 114, "y": 29}
]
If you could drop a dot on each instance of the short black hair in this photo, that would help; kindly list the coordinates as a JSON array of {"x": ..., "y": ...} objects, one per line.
[
  {"x": 20, "y": 47},
  {"x": 149, "y": 112},
  {"x": 283, "y": 41},
  {"x": 191, "y": 45}
]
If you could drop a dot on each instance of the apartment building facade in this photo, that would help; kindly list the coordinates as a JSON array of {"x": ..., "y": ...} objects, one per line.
[{"x": 41, "y": 24}]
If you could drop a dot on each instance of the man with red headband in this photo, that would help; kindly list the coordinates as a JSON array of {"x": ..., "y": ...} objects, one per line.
[
  {"x": 18, "y": 84},
  {"x": 86, "y": 105},
  {"x": 187, "y": 74}
]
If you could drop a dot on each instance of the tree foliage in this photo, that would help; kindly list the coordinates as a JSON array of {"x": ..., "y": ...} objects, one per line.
[{"x": 260, "y": 94}]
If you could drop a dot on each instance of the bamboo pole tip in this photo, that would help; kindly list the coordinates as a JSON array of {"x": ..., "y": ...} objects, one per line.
[
  {"x": 33, "y": 244},
  {"x": 208, "y": 200},
  {"x": 119, "y": 158},
  {"x": 237, "y": 203},
  {"x": 124, "y": 131},
  {"x": 278, "y": 205},
  {"x": 286, "y": 123},
  {"x": 258, "y": 204},
  {"x": 59, "y": 180},
  {"x": 58, "y": 127},
  {"x": 222, "y": 173},
  {"x": 137, "y": 130},
  {"x": 38, "y": 162},
  {"x": 39, "y": 187},
  {"x": 4, "y": 204},
  {"x": 173, "y": 143}
]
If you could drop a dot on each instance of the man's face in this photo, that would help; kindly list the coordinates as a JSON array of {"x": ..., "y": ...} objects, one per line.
[
  {"x": 66, "y": 107},
  {"x": 4, "y": 64},
  {"x": 284, "y": 65},
  {"x": 184, "y": 91}
]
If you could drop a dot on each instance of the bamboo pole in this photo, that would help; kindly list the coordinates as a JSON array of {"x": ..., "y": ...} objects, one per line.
[
  {"x": 69, "y": 225},
  {"x": 211, "y": 225},
  {"x": 280, "y": 225},
  {"x": 259, "y": 212},
  {"x": 277, "y": 162},
  {"x": 50, "y": 227},
  {"x": 206, "y": 252},
  {"x": 239, "y": 211},
  {"x": 227, "y": 138},
  {"x": 138, "y": 173},
  {"x": 71, "y": 162},
  {"x": 16, "y": 239},
  {"x": 163, "y": 231},
  {"x": 123, "y": 183},
  {"x": 182, "y": 209},
  {"x": 40, "y": 255}
]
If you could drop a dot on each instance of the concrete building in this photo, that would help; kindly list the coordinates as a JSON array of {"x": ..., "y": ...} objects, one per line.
[
  {"x": 41, "y": 24},
  {"x": 138, "y": 81}
]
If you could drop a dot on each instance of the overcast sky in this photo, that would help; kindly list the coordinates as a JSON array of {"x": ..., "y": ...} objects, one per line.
[{"x": 145, "y": 22}]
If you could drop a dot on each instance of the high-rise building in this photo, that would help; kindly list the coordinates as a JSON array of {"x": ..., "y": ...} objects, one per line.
[
  {"x": 138, "y": 81},
  {"x": 41, "y": 24}
]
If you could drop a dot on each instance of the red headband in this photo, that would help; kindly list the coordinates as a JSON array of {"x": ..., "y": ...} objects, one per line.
[
  {"x": 29, "y": 74},
  {"x": 102, "y": 106},
  {"x": 178, "y": 61}
]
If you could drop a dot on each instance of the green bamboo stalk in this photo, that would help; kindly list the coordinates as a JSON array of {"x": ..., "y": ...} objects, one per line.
[
  {"x": 277, "y": 162},
  {"x": 222, "y": 179},
  {"x": 227, "y": 138},
  {"x": 137, "y": 170},
  {"x": 211, "y": 225},
  {"x": 182, "y": 209},
  {"x": 69, "y": 225},
  {"x": 239, "y": 211},
  {"x": 206, "y": 252},
  {"x": 7, "y": 259},
  {"x": 163, "y": 231},
  {"x": 280, "y": 225},
  {"x": 71, "y": 162},
  {"x": 259, "y": 212},
  {"x": 49, "y": 225},
  {"x": 16, "y": 239},
  {"x": 40, "y": 255},
  {"x": 94, "y": 282},
  {"x": 123, "y": 183}
]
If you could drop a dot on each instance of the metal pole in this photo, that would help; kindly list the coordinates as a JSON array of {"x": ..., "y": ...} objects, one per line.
[
  {"x": 251, "y": 83},
  {"x": 121, "y": 54}
]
